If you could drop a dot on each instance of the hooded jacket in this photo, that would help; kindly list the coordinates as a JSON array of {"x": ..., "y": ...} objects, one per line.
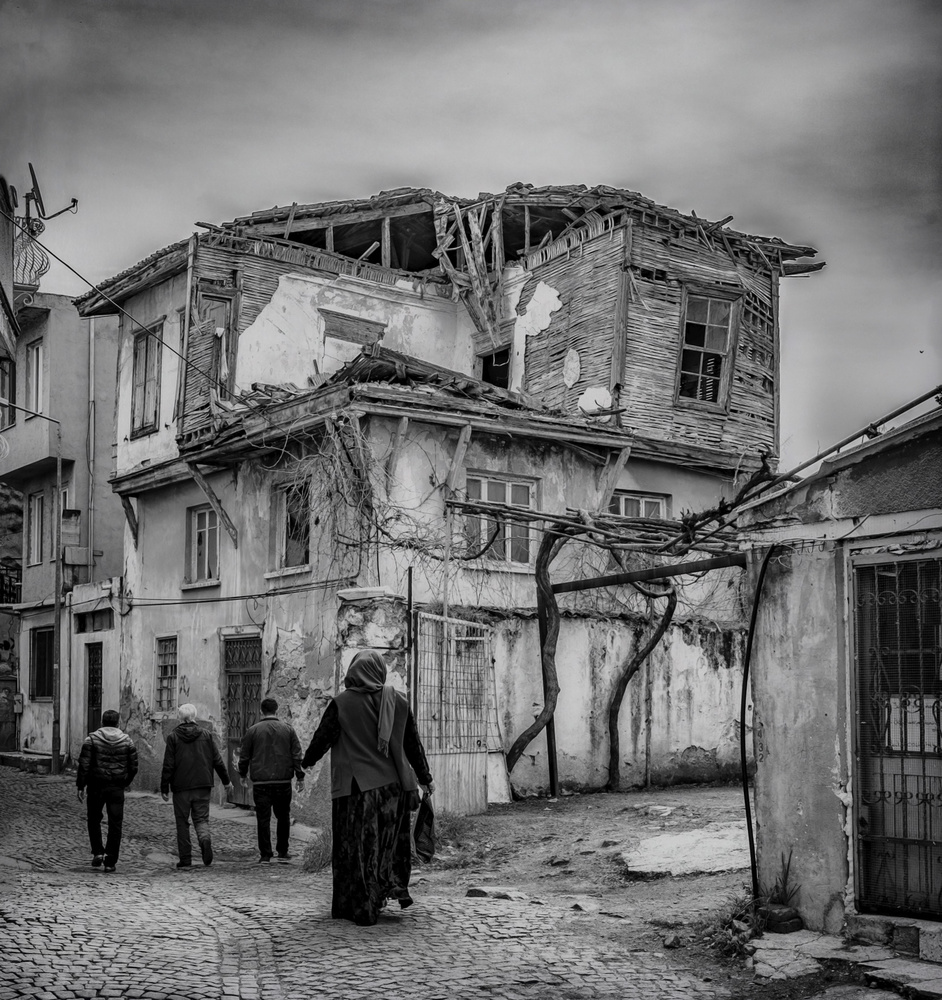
[
  {"x": 108, "y": 759},
  {"x": 190, "y": 757}
]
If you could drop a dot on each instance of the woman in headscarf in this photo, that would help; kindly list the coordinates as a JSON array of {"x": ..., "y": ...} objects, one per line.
[{"x": 375, "y": 756}]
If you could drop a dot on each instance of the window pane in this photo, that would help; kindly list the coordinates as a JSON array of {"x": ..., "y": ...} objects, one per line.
[
  {"x": 695, "y": 334},
  {"x": 631, "y": 507},
  {"x": 653, "y": 508},
  {"x": 497, "y": 491},
  {"x": 697, "y": 309},
  {"x": 719, "y": 312},
  {"x": 688, "y": 385},
  {"x": 716, "y": 338},
  {"x": 297, "y": 527},
  {"x": 520, "y": 495},
  {"x": 519, "y": 543},
  {"x": 474, "y": 489},
  {"x": 690, "y": 362}
]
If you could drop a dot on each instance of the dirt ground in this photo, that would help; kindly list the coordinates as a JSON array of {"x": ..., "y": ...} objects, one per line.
[{"x": 571, "y": 849}]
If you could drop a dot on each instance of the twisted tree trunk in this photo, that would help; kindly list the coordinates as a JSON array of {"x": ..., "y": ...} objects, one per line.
[{"x": 614, "y": 750}]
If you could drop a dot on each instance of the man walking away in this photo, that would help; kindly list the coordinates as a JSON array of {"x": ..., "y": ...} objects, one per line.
[
  {"x": 190, "y": 757},
  {"x": 107, "y": 765},
  {"x": 270, "y": 755}
]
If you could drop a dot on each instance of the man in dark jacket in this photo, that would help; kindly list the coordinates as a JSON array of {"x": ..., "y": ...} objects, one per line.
[
  {"x": 107, "y": 765},
  {"x": 270, "y": 755},
  {"x": 190, "y": 757}
]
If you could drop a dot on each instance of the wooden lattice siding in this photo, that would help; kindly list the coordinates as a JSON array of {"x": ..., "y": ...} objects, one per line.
[
  {"x": 661, "y": 263},
  {"x": 586, "y": 279}
]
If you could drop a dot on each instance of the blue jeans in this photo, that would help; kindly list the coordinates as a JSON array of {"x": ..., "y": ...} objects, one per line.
[
  {"x": 191, "y": 802},
  {"x": 272, "y": 799},
  {"x": 97, "y": 799}
]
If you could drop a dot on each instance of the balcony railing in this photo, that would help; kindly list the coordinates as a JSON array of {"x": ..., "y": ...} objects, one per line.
[
  {"x": 30, "y": 261},
  {"x": 10, "y": 584}
]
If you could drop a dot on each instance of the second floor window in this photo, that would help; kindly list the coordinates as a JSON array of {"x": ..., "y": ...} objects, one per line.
[
  {"x": 7, "y": 392},
  {"x": 639, "y": 505},
  {"x": 34, "y": 376},
  {"x": 294, "y": 525},
  {"x": 511, "y": 539},
  {"x": 145, "y": 387},
  {"x": 35, "y": 516},
  {"x": 202, "y": 545},
  {"x": 705, "y": 355}
]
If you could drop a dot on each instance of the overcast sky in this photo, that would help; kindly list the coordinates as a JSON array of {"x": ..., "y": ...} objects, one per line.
[{"x": 819, "y": 121}]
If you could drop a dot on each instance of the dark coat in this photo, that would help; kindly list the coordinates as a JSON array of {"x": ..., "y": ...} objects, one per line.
[
  {"x": 270, "y": 753},
  {"x": 108, "y": 759},
  {"x": 190, "y": 757}
]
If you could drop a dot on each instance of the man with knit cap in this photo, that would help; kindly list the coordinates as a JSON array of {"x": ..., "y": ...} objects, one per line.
[
  {"x": 270, "y": 755},
  {"x": 190, "y": 758},
  {"x": 107, "y": 765}
]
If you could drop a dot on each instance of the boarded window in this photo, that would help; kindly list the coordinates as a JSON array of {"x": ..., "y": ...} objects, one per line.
[
  {"x": 166, "y": 686},
  {"x": 707, "y": 331},
  {"x": 101, "y": 620},
  {"x": 511, "y": 539},
  {"x": 145, "y": 388}
]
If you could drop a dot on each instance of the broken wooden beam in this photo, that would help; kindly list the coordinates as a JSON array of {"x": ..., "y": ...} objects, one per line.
[{"x": 657, "y": 573}]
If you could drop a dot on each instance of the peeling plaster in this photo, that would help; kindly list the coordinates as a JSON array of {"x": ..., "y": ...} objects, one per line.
[
  {"x": 572, "y": 368},
  {"x": 535, "y": 319}
]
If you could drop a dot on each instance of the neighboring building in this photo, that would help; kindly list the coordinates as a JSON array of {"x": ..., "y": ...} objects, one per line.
[
  {"x": 352, "y": 373},
  {"x": 63, "y": 372},
  {"x": 847, "y": 684}
]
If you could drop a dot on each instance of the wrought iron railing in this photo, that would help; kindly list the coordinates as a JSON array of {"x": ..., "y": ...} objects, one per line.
[{"x": 10, "y": 584}]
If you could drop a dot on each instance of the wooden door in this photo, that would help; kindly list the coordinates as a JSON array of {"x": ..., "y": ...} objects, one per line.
[{"x": 93, "y": 668}]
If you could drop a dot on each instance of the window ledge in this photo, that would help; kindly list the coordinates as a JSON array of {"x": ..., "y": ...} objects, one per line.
[
  {"x": 41, "y": 697},
  {"x": 687, "y": 402},
  {"x": 520, "y": 569},
  {"x": 199, "y": 585},
  {"x": 288, "y": 571}
]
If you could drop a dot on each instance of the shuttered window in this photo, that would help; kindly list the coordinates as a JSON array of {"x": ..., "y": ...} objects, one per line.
[{"x": 145, "y": 388}]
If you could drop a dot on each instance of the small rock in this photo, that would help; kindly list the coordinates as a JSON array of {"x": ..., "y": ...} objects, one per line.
[
  {"x": 673, "y": 941},
  {"x": 610, "y": 843},
  {"x": 786, "y": 927},
  {"x": 558, "y": 862}
]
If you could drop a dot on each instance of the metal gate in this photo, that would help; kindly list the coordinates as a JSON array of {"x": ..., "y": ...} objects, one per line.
[
  {"x": 898, "y": 653},
  {"x": 451, "y": 676},
  {"x": 93, "y": 665},
  {"x": 242, "y": 658}
]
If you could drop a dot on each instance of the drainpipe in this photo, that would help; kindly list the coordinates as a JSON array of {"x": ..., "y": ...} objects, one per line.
[
  {"x": 90, "y": 437},
  {"x": 753, "y": 861},
  {"x": 68, "y": 675}
]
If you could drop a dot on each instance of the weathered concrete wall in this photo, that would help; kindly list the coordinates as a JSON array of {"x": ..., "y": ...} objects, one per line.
[
  {"x": 800, "y": 733},
  {"x": 287, "y": 343},
  {"x": 689, "y": 690}
]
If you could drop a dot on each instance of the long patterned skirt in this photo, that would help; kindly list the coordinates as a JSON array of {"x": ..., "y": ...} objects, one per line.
[{"x": 372, "y": 852}]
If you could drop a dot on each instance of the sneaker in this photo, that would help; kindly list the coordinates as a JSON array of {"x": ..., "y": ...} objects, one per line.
[
  {"x": 184, "y": 864},
  {"x": 264, "y": 859},
  {"x": 206, "y": 849},
  {"x": 109, "y": 868},
  {"x": 285, "y": 857},
  {"x": 97, "y": 860}
]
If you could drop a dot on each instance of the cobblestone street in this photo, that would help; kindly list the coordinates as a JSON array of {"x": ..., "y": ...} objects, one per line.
[{"x": 242, "y": 930}]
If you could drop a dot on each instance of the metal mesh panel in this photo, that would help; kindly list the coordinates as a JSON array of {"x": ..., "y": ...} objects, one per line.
[
  {"x": 453, "y": 660},
  {"x": 243, "y": 680},
  {"x": 898, "y": 633}
]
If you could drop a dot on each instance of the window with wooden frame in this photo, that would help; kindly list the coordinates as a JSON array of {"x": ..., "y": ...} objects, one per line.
[
  {"x": 709, "y": 326},
  {"x": 345, "y": 337},
  {"x": 34, "y": 376},
  {"x": 512, "y": 540},
  {"x": 145, "y": 384},
  {"x": 35, "y": 528},
  {"x": 293, "y": 526},
  {"x": 216, "y": 312},
  {"x": 628, "y": 504},
  {"x": 202, "y": 545},
  {"x": 165, "y": 688},
  {"x": 41, "y": 655},
  {"x": 7, "y": 392}
]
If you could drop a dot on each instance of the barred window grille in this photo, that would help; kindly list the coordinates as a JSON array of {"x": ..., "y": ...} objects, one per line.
[
  {"x": 898, "y": 640},
  {"x": 166, "y": 674}
]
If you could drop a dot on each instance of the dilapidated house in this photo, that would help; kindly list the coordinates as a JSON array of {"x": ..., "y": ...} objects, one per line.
[
  {"x": 348, "y": 424},
  {"x": 847, "y": 682}
]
